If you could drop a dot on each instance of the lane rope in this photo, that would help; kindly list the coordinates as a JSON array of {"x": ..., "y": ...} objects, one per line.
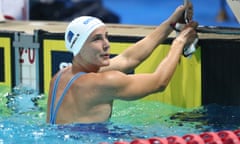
[{"x": 221, "y": 137}]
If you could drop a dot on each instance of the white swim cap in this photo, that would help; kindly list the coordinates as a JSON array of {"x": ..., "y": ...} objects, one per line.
[{"x": 78, "y": 31}]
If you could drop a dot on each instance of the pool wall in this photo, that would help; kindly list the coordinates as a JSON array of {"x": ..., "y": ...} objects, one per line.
[
  {"x": 6, "y": 69},
  {"x": 32, "y": 52}
]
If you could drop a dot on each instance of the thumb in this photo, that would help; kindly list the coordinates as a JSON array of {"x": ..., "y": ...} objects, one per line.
[{"x": 178, "y": 13}]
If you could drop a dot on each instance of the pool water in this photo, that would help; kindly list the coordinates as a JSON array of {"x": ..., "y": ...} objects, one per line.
[{"x": 22, "y": 120}]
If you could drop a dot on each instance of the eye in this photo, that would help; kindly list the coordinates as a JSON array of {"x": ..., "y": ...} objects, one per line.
[{"x": 97, "y": 37}]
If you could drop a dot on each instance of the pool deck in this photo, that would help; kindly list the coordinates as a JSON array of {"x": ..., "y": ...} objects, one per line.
[{"x": 114, "y": 29}]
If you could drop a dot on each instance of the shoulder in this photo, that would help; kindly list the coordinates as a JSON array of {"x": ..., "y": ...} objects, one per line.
[
  {"x": 104, "y": 84},
  {"x": 103, "y": 76},
  {"x": 102, "y": 80}
]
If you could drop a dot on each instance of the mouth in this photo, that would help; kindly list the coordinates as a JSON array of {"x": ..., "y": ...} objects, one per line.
[{"x": 106, "y": 56}]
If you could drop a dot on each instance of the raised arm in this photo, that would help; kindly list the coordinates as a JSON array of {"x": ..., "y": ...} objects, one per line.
[
  {"x": 138, "y": 52},
  {"x": 117, "y": 85}
]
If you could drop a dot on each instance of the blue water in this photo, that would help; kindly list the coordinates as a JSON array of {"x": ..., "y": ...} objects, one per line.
[{"x": 22, "y": 120}]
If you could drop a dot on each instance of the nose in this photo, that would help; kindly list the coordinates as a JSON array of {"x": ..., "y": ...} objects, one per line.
[{"x": 106, "y": 44}]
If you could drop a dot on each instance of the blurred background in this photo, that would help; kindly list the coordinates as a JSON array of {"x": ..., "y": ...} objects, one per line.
[
  {"x": 134, "y": 12},
  {"x": 153, "y": 12}
]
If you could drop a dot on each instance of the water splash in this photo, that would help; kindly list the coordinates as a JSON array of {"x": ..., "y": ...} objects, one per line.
[{"x": 23, "y": 99}]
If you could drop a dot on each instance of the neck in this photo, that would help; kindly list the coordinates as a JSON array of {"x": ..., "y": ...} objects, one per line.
[{"x": 79, "y": 65}]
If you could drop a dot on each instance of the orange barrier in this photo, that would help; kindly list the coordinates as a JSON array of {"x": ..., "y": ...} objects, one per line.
[{"x": 221, "y": 137}]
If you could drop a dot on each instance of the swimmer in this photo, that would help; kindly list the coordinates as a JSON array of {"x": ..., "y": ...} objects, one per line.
[{"x": 84, "y": 92}]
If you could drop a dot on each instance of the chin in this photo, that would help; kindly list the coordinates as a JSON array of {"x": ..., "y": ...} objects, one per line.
[{"x": 106, "y": 63}]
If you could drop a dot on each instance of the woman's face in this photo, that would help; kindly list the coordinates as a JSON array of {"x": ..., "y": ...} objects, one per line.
[{"x": 95, "y": 50}]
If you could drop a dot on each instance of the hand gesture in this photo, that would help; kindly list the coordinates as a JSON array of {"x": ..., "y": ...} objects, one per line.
[
  {"x": 179, "y": 14},
  {"x": 188, "y": 34}
]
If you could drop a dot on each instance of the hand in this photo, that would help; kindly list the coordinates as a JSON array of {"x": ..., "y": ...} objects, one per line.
[
  {"x": 188, "y": 34},
  {"x": 187, "y": 16},
  {"x": 190, "y": 12},
  {"x": 178, "y": 15}
]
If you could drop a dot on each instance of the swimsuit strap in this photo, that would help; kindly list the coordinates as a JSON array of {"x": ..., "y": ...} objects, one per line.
[
  {"x": 53, "y": 113},
  {"x": 56, "y": 82}
]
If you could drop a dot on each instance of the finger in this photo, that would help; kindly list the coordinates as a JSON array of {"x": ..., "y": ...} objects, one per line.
[
  {"x": 189, "y": 12},
  {"x": 180, "y": 10},
  {"x": 192, "y": 24},
  {"x": 189, "y": 33},
  {"x": 185, "y": 32},
  {"x": 178, "y": 15},
  {"x": 189, "y": 5}
]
